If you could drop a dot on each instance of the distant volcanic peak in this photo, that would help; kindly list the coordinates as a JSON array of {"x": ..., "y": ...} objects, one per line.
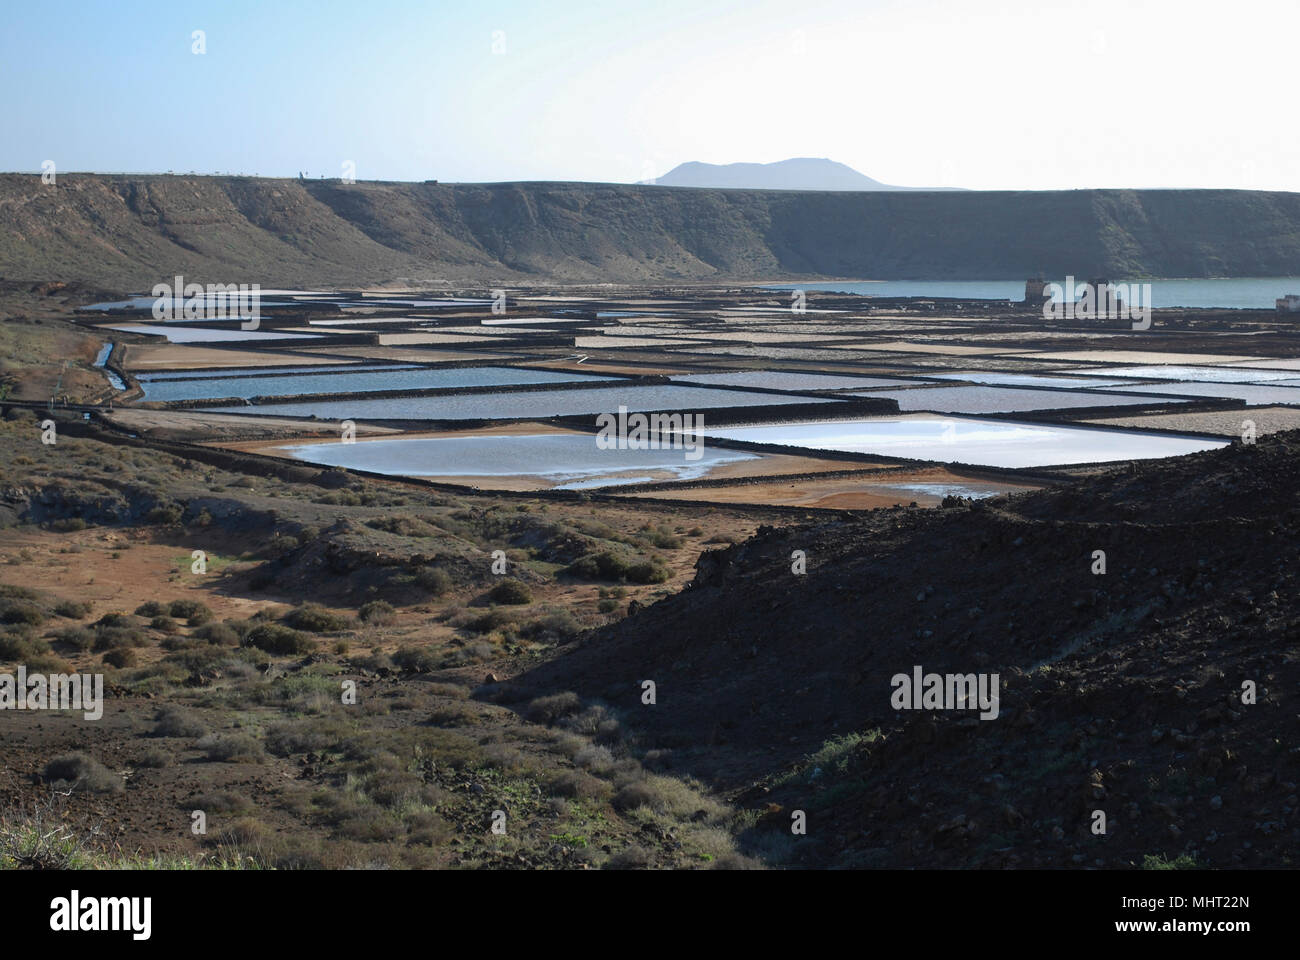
[{"x": 799, "y": 173}]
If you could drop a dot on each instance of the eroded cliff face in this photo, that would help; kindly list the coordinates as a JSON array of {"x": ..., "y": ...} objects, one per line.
[{"x": 127, "y": 232}]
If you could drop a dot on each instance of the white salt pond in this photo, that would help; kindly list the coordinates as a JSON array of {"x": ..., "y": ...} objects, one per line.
[
  {"x": 565, "y": 461},
  {"x": 788, "y": 380},
  {"x": 1255, "y": 394},
  {"x": 1005, "y": 399},
  {"x": 523, "y": 404},
  {"x": 219, "y": 372},
  {"x": 179, "y": 333},
  {"x": 1200, "y": 374},
  {"x": 340, "y": 381},
  {"x": 996, "y": 379},
  {"x": 969, "y": 440}
]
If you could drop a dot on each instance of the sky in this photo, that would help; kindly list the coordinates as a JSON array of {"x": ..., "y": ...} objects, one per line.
[{"x": 1022, "y": 94}]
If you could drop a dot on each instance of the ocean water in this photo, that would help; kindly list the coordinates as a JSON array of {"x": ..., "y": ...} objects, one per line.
[
  {"x": 568, "y": 461},
  {"x": 993, "y": 443},
  {"x": 419, "y": 378},
  {"x": 1226, "y": 292}
]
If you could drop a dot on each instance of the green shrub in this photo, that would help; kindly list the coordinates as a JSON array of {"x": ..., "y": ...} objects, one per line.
[
  {"x": 174, "y": 721},
  {"x": 193, "y": 612},
  {"x": 155, "y": 758},
  {"x": 165, "y": 624},
  {"x": 286, "y": 738},
  {"x": 665, "y": 540},
  {"x": 280, "y": 640},
  {"x": 79, "y": 638},
  {"x": 377, "y": 613},
  {"x": 647, "y": 571},
  {"x": 554, "y": 625},
  {"x": 489, "y": 621},
  {"x": 72, "y": 609},
  {"x": 19, "y": 648},
  {"x": 231, "y": 748},
  {"x": 434, "y": 580},
  {"x": 607, "y": 565},
  {"x": 580, "y": 785},
  {"x": 120, "y": 657},
  {"x": 511, "y": 591},
  {"x": 415, "y": 659},
  {"x": 315, "y": 619},
  {"x": 552, "y": 708},
  {"x": 151, "y": 609},
  {"x": 165, "y": 514},
  {"x": 198, "y": 658},
  {"x": 222, "y": 634},
  {"x": 81, "y": 772},
  {"x": 114, "y": 638},
  {"x": 22, "y": 612}
]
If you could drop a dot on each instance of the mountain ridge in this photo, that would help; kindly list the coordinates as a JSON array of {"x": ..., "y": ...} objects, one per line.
[{"x": 128, "y": 231}]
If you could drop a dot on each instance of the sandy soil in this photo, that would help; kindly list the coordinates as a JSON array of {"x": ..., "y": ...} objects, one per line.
[
  {"x": 178, "y": 356},
  {"x": 416, "y": 355},
  {"x": 1227, "y": 423},
  {"x": 942, "y": 349},
  {"x": 619, "y": 343},
  {"x": 199, "y": 425},
  {"x": 842, "y": 493},
  {"x": 117, "y": 569},
  {"x": 1142, "y": 356},
  {"x": 408, "y": 339}
]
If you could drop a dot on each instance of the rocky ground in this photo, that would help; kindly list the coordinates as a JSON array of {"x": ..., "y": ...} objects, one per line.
[{"x": 1124, "y": 692}]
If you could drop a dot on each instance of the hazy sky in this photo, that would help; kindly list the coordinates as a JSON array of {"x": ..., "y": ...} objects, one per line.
[{"x": 1036, "y": 94}]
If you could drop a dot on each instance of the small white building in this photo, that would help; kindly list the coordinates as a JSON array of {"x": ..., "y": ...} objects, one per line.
[{"x": 1289, "y": 304}]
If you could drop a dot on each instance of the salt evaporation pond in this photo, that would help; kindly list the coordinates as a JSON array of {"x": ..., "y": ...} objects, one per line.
[
  {"x": 524, "y": 404},
  {"x": 1199, "y": 374},
  {"x": 993, "y": 378},
  {"x": 1223, "y": 292},
  {"x": 101, "y": 362},
  {"x": 788, "y": 380},
  {"x": 218, "y": 372},
  {"x": 567, "y": 461},
  {"x": 330, "y": 381},
  {"x": 975, "y": 491},
  {"x": 967, "y": 440},
  {"x": 178, "y": 333},
  {"x": 1254, "y": 394},
  {"x": 1005, "y": 399}
]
